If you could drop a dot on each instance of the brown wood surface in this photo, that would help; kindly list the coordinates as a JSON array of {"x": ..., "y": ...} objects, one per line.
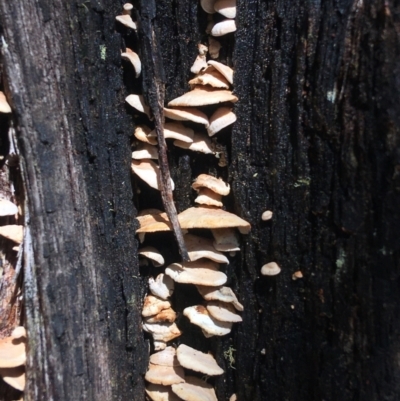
[{"x": 316, "y": 142}]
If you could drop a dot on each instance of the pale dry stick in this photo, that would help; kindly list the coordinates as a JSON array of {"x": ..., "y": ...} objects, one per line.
[{"x": 154, "y": 88}]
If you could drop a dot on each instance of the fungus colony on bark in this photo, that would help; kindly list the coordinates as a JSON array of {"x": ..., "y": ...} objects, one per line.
[
  {"x": 211, "y": 85},
  {"x": 13, "y": 347}
]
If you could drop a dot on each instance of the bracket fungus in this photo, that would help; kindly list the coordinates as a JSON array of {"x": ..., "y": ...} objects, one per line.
[
  {"x": 267, "y": 215},
  {"x": 224, "y": 312},
  {"x": 199, "y": 247},
  {"x": 270, "y": 269},
  {"x": 186, "y": 114},
  {"x": 145, "y": 151},
  {"x": 12, "y": 232},
  {"x": 200, "y": 144},
  {"x": 226, "y": 240},
  {"x": 166, "y": 357},
  {"x": 176, "y": 131},
  {"x": 7, "y": 208},
  {"x": 194, "y": 389},
  {"x": 203, "y": 96},
  {"x": 208, "y": 197},
  {"x": 137, "y": 102},
  {"x": 208, "y": 6},
  {"x": 134, "y": 59},
  {"x": 142, "y": 134},
  {"x": 165, "y": 375},
  {"x": 153, "y": 305},
  {"x": 223, "y": 27},
  {"x": 126, "y": 19},
  {"x": 214, "y": 184},
  {"x": 226, "y": 71},
  {"x": 224, "y": 294},
  {"x": 222, "y": 118},
  {"x": 157, "y": 392},
  {"x": 226, "y": 7},
  {"x": 149, "y": 172},
  {"x": 5, "y": 107},
  {"x": 212, "y": 77},
  {"x": 153, "y": 254},
  {"x": 162, "y": 287}
]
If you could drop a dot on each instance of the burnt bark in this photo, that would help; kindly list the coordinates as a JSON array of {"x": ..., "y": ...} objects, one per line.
[{"x": 316, "y": 141}]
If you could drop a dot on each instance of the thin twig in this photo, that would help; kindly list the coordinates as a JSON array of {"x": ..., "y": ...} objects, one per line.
[{"x": 154, "y": 88}]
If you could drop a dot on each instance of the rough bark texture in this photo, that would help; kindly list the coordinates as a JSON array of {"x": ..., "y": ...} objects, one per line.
[{"x": 316, "y": 142}]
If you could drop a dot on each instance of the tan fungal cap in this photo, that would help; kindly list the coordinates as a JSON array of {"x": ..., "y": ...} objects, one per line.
[
  {"x": 165, "y": 375},
  {"x": 187, "y": 114},
  {"x": 153, "y": 305},
  {"x": 194, "y": 217},
  {"x": 224, "y": 27},
  {"x": 199, "y": 64},
  {"x": 226, "y": 240},
  {"x": 199, "y": 247},
  {"x": 270, "y": 269},
  {"x": 19, "y": 332},
  {"x": 226, "y": 71},
  {"x": 215, "y": 184},
  {"x": 126, "y": 20},
  {"x": 7, "y": 208},
  {"x": 201, "y": 143},
  {"x": 165, "y": 358},
  {"x": 223, "y": 117},
  {"x": 199, "y": 316},
  {"x": 226, "y": 7},
  {"x": 223, "y": 312},
  {"x": 162, "y": 287},
  {"x": 267, "y": 215},
  {"x": 297, "y": 275},
  {"x": 149, "y": 172},
  {"x": 194, "y": 389},
  {"x": 208, "y": 6},
  {"x": 12, "y": 352},
  {"x": 159, "y": 345},
  {"x": 134, "y": 59},
  {"x": 15, "y": 377},
  {"x": 12, "y": 232},
  {"x": 208, "y": 197},
  {"x": 176, "y": 131},
  {"x": 224, "y": 294},
  {"x": 5, "y": 107},
  {"x": 166, "y": 315},
  {"x": 142, "y": 134},
  {"x": 156, "y": 392},
  {"x": 153, "y": 254},
  {"x": 163, "y": 332},
  {"x": 213, "y": 47},
  {"x": 193, "y": 359},
  {"x": 138, "y": 103},
  {"x": 203, "y": 96},
  {"x": 145, "y": 151},
  {"x": 233, "y": 397},
  {"x": 201, "y": 272},
  {"x": 211, "y": 77}
]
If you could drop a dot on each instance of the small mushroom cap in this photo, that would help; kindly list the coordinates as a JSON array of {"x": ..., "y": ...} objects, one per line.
[
  {"x": 208, "y": 197},
  {"x": 165, "y": 358},
  {"x": 145, "y": 151},
  {"x": 153, "y": 305},
  {"x": 15, "y": 377},
  {"x": 126, "y": 20},
  {"x": 194, "y": 389},
  {"x": 199, "y": 316},
  {"x": 162, "y": 287},
  {"x": 153, "y": 254},
  {"x": 225, "y": 240},
  {"x": 134, "y": 59},
  {"x": 297, "y": 275},
  {"x": 226, "y": 7},
  {"x": 165, "y": 375},
  {"x": 223, "y": 312},
  {"x": 166, "y": 315},
  {"x": 162, "y": 331},
  {"x": 199, "y": 247},
  {"x": 211, "y": 77},
  {"x": 12, "y": 232},
  {"x": 12, "y": 352},
  {"x": 226, "y": 71},
  {"x": 149, "y": 172},
  {"x": 203, "y": 96},
  {"x": 159, "y": 345},
  {"x": 215, "y": 184},
  {"x": 213, "y": 47},
  {"x": 224, "y": 27},
  {"x": 267, "y": 215},
  {"x": 224, "y": 294},
  {"x": 5, "y": 107},
  {"x": 187, "y": 114},
  {"x": 201, "y": 272},
  {"x": 176, "y": 131},
  {"x": 193, "y": 359},
  {"x": 200, "y": 144},
  {"x": 223, "y": 117},
  {"x": 7, "y": 208},
  {"x": 19, "y": 332},
  {"x": 142, "y": 134},
  {"x": 199, "y": 64},
  {"x": 156, "y": 392},
  {"x": 127, "y": 7},
  {"x": 208, "y": 6},
  {"x": 137, "y": 102},
  {"x": 270, "y": 269}
]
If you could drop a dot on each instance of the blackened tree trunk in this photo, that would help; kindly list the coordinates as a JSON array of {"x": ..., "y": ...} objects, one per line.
[{"x": 316, "y": 141}]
